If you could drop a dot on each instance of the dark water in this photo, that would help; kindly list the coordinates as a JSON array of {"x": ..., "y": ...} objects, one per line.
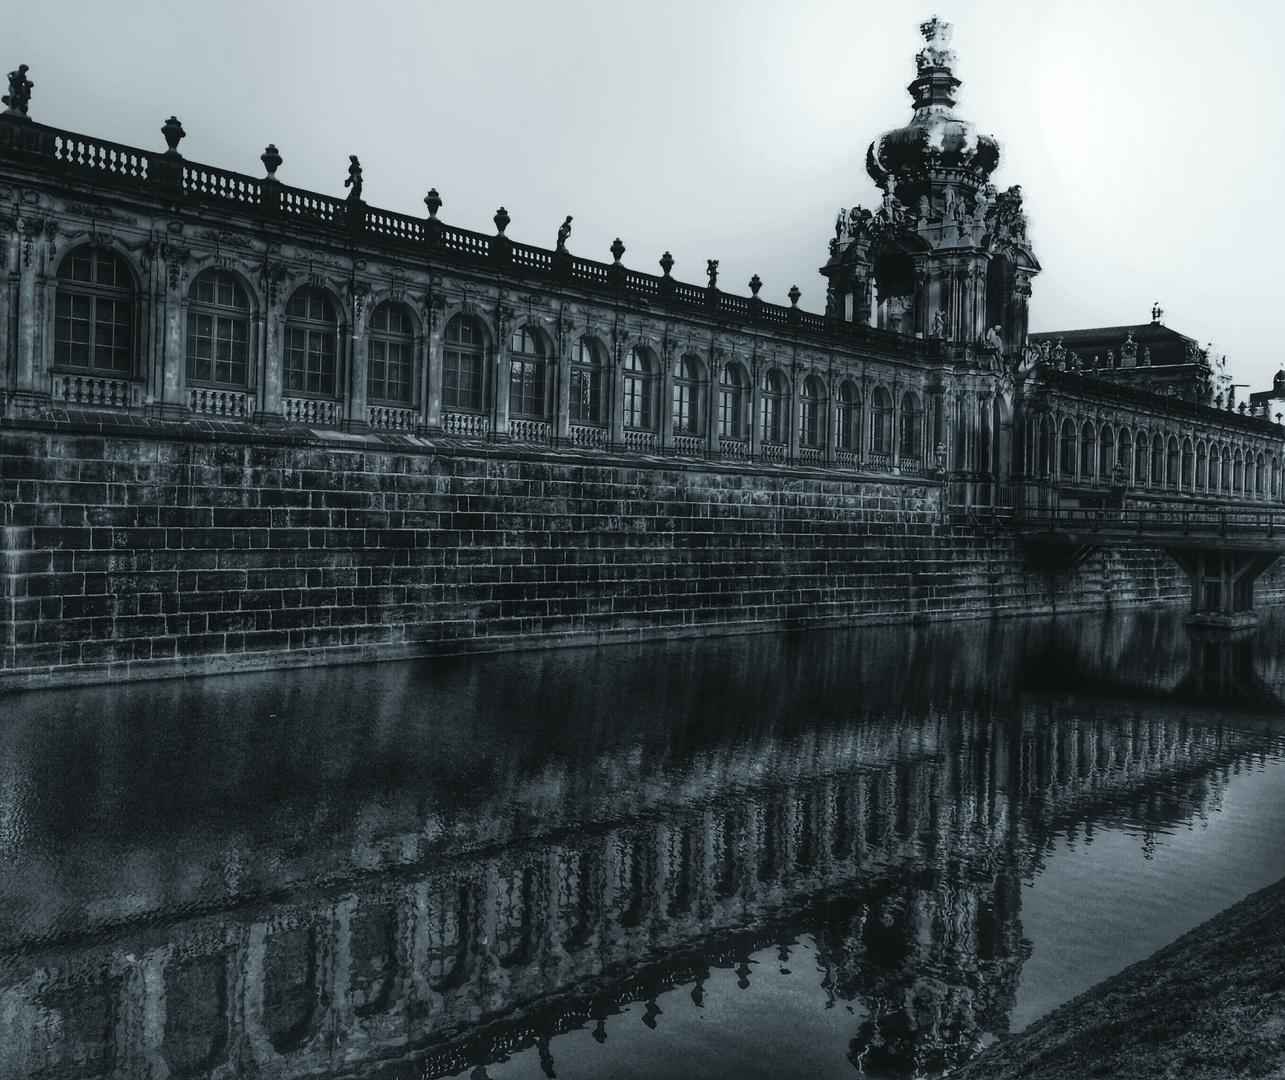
[{"x": 833, "y": 854}]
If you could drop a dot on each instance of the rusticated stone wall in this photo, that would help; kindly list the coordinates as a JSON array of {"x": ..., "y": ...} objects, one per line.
[{"x": 157, "y": 549}]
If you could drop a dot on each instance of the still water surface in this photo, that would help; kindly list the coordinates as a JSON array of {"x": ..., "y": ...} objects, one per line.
[{"x": 832, "y": 854}]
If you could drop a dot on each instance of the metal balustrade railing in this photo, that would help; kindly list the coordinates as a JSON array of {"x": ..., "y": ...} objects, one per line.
[
  {"x": 1176, "y": 520},
  {"x": 160, "y": 174}
]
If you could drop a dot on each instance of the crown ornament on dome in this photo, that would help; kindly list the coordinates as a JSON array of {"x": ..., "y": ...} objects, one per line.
[{"x": 937, "y": 147}]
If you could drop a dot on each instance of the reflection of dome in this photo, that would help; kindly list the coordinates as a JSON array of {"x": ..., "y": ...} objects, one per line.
[{"x": 936, "y": 143}]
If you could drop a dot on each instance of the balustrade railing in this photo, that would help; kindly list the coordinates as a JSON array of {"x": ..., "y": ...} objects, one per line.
[
  {"x": 847, "y": 459},
  {"x": 773, "y": 451},
  {"x": 911, "y": 466},
  {"x": 584, "y": 435},
  {"x": 203, "y": 181},
  {"x": 391, "y": 418},
  {"x": 734, "y": 448},
  {"x": 311, "y": 411},
  {"x": 641, "y": 440},
  {"x": 100, "y": 156},
  {"x": 689, "y": 444},
  {"x": 813, "y": 455},
  {"x": 232, "y": 404},
  {"x": 879, "y": 461},
  {"x": 95, "y": 392},
  {"x": 471, "y": 424},
  {"x": 529, "y": 430}
]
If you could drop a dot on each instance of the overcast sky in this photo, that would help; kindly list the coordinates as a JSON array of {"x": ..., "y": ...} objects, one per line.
[{"x": 1146, "y": 136}]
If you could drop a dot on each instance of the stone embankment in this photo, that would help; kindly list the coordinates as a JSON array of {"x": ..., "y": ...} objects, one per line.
[{"x": 1207, "y": 1007}]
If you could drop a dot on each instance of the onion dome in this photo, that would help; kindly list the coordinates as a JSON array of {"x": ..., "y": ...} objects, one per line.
[{"x": 936, "y": 147}]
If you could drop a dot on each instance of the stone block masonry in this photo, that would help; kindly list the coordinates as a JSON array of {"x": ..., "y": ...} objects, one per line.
[{"x": 148, "y": 550}]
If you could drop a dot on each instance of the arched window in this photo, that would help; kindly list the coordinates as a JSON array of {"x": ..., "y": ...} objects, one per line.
[
  {"x": 1044, "y": 448},
  {"x": 1124, "y": 454},
  {"x": 526, "y": 373},
  {"x": 1276, "y": 477},
  {"x": 1106, "y": 454},
  {"x": 1173, "y": 463},
  {"x": 1188, "y": 465},
  {"x": 734, "y": 403},
  {"x": 772, "y": 408},
  {"x": 880, "y": 421},
  {"x": 1225, "y": 487},
  {"x": 391, "y": 352},
  {"x": 1066, "y": 460},
  {"x": 812, "y": 427},
  {"x": 1088, "y": 451},
  {"x": 1158, "y": 461},
  {"x": 462, "y": 364},
  {"x": 849, "y": 418},
  {"x": 586, "y": 382},
  {"x": 312, "y": 338},
  {"x": 640, "y": 399},
  {"x": 689, "y": 397},
  {"x": 1140, "y": 459},
  {"x": 1202, "y": 466},
  {"x": 912, "y": 426},
  {"x": 1238, "y": 473},
  {"x": 1260, "y": 476},
  {"x": 218, "y": 329},
  {"x": 94, "y": 312}
]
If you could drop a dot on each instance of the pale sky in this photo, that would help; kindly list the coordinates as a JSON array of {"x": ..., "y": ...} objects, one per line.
[{"x": 1146, "y": 136}]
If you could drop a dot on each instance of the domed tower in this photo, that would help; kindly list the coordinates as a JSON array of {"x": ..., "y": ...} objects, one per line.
[{"x": 944, "y": 255}]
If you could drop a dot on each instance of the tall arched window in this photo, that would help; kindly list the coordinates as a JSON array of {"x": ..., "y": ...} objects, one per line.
[
  {"x": 1188, "y": 475},
  {"x": 1140, "y": 459},
  {"x": 462, "y": 364},
  {"x": 586, "y": 382},
  {"x": 1124, "y": 453},
  {"x": 391, "y": 353},
  {"x": 1088, "y": 452},
  {"x": 812, "y": 417},
  {"x": 1238, "y": 473},
  {"x": 1276, "y": 477},
  {"x": 772, "y": 408},
  {"x": 912, "y": 426},
  {"x": 689, "y": 397},
  {"x": 1066, "y": 459},
  {"x": 1173, "y": 463},
  {"x": 849, "y": 418},
  {"x": 1044, "y": 448},
  {"x": 526, "y": 374},
  {"x": 1225, "y": 487},
  {"x": 1202, "y": 466},
  {"x": 312, "y": 337},
  {"x": 1260, "y": 476},
  {"x": 94, "y": 312},
  {"x": 218, "y": 329},
  {"x": 733, "y": 403},
  {"x": 1106, "y": 454},
  {"x": 640, "y": 396},
  {"x": 880, "y": 421},
  {"x": 1158, "y": 460}
]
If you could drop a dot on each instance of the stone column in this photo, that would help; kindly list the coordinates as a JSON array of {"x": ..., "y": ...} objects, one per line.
[
  {"x": 272, "y": 359},
  {"x": 756, "y": 435},
  {"x": 615, "y": 374},
  {"x": 712, "y": 402},
  {"x": 172, "y": 358},
  {"x": 432, "y": 407},
  {"x": 500, "y": 371},
  {"x": 794, "y": 412},
  {"x": 357, "y": 418},
  {"x": 562, "y": 386},
  {"x": 29, "y": 328},
  {"x": 666, "y": 384}
]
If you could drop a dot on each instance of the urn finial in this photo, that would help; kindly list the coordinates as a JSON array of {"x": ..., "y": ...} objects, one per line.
[
  {"x": 756, "y": 283},
  {"x": 434, "y": 203},
  {"x": 617, "y": 250},
  {"x": 271, "y": 159},
  {"x": 173, "y": 132},
  {"x": 794, "y": 295},
  {"x": 666, "y": 263},
  {"x": 501, "y": 220}
]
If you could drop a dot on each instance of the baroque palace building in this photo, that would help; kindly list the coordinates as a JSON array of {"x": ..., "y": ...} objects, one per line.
[{"x": 140, "y": 282}]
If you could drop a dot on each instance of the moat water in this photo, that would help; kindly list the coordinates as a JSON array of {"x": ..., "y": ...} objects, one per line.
[{"x": 868, "y": 852}]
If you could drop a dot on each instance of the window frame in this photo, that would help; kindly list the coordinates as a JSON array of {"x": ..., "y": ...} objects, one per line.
[
  {"x": 313, "y": 331},
  {"x": 455, "y": 351},
  {"x": 93, "y": 294},
  {"x": 386, "y": 338}
]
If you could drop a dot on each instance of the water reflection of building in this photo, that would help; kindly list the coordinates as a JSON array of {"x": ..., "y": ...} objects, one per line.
[{"x": 898, "y": 843}]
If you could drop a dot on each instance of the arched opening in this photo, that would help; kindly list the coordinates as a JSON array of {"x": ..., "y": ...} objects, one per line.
[
  {"x": 1260, "y": 476},
  {"x": 812, "y": 413},
  {"x": 1225, "y": 486},
  {"x": 912, "y": 426},
  {"x": 880, "y": 421},
  {"x": 894, "y": 276},
  {"x": 849, "y": 418},
  {"x": 1044, "y": 448},
  {"x": 1188, "y": 465},
  {"x": 689, "y": 397},
  {"x": 774, "y": 428},
  {"x": 1106, "y": 454},
  {"x": 586, "y": 383},
  {"x": 1173, "y": 461},
  {"x": 1066, "y": 462},
  {"x": 218, "y": 330},
  {"x": 1202, "y": 466},
  {"x": 462, "y": 370},
  {"x": 999, "y": 296},
  {"x": 1158, "y": 461},
  {"x": 1088, "y": 450},
  {"x": 1140, "y": 459},
  {"x": 734, "y": 403},
  {"x": 640, "y": 397},
  {"x": 527, "y": 374},
  {"x": 1276, "y": 477},
  {"x": 312, "y": 343},
  {"x": 94, "y": 312},
  {"x": 390, "y": 355},
  {"x": 1238, "y": 474}
]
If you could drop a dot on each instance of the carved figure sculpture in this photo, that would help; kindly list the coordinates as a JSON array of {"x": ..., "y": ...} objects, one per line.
[
  {"x": 564, "y": 230},
  {"x": 19, "y": 91},
  {"x": 839, "y": 223},
  {"x": 354, "y": 177},
  {"x": 711, "y": 268},
  {"x": 939, "y": 324},
  {"x": 992, "y": 340}
]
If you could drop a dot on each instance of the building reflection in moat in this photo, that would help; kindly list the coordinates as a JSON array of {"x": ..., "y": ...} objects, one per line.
[{"x": 406, "y": 871}]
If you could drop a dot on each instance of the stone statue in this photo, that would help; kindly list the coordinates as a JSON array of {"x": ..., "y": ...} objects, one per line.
[
  {"x": 1010, "y": 221},
  {"x": 839, "y": 222},
  {"x": 939, "y": 324},
  {"x": 354, "y": 178},
  {"x": 992, "y": 340},
  {"x": 564, "y": 230},
  {"x": 711, "y": 268},
  {"x": 19, "y": 91},
  {"x": 924, "y": 207}
]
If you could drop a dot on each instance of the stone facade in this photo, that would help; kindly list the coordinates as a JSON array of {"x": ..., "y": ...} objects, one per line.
[{"x": 199, "y": 365}]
